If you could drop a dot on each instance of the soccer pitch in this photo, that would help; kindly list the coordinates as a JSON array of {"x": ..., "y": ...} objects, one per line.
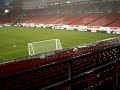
[{"x": 14, "y": 40}]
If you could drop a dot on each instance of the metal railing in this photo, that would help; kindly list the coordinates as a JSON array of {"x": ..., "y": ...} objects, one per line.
[{"x": 69, "y": 62}]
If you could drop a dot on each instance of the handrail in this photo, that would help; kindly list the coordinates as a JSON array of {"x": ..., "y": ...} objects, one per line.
[
  {"x": 69, "y": 62},
  {"x": 59, "y": 62}
]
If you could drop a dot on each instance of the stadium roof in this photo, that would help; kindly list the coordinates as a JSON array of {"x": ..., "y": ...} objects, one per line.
[{"x": 40, "y": 3}]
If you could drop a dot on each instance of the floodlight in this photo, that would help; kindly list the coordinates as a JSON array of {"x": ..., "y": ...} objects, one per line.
[
  {"x": 68, "y": 1},
  {"x": 6, "y": 10}
]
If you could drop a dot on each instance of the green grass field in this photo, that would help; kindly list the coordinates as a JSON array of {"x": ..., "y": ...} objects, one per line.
[{"x": 21, "y": 36}]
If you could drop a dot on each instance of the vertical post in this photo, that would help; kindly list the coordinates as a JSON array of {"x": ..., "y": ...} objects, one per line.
[
  {"x": 118, "y": 53},
  {"x": 70, "y": 75},
  {"x": 56, "y": 45},
  {"x": 1, "y": 86},
  {"x": 32, "y": 48},
  {"x": 117, "y": 75}
]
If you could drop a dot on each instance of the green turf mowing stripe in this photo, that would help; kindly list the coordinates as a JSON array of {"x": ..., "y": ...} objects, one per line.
[
  {"x": 21, "y": 36},
  {"x": 2, "y": 58}
]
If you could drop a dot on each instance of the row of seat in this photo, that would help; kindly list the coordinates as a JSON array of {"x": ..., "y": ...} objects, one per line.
[
  {"x": 6, "y": 20},
  {"x": 43, "y": 78},
  {"x": 28, "y": 63},
  {"x": 111, "y": 20}
]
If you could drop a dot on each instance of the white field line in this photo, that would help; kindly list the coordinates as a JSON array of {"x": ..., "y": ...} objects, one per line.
[
  {"x": 3, "y": 58},
  {"x": 52, "y": 39}
]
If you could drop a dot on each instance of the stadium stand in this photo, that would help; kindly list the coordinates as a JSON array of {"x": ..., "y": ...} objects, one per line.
[
  {"x": 92, "y": 67},
  {"x": 104, "y": 21},
  {"x": 90, "y": 18},
  {"x": 115, "y": 23},
  {"x": 29, "y": 70},
  {"x": 4, "y": 20},
  {"x": 81, "y": 19}
]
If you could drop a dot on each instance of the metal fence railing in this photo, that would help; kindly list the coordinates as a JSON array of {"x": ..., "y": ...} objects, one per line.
[{"x": 69, "y": 62}]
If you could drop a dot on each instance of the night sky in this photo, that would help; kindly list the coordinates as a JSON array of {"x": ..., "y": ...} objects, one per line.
[
  {"x": 5, "y": 3},
  {"x": 1, "y": 4}
]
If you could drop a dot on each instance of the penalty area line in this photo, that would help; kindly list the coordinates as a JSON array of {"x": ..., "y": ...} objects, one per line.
[{"x": 2, "y": 57}]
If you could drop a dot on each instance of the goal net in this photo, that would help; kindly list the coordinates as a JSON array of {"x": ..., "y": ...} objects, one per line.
[{"x": 45, "y": 46}]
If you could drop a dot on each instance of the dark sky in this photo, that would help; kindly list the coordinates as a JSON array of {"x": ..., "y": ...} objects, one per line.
[
  {"x": 1, "y": 4},
  {"x": 5, "y": 3}
]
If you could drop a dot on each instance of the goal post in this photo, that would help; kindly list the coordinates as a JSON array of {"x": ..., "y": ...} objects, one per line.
[
  {"x": 30, "y": 49},
  {"x": 45, "y": 46}
]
